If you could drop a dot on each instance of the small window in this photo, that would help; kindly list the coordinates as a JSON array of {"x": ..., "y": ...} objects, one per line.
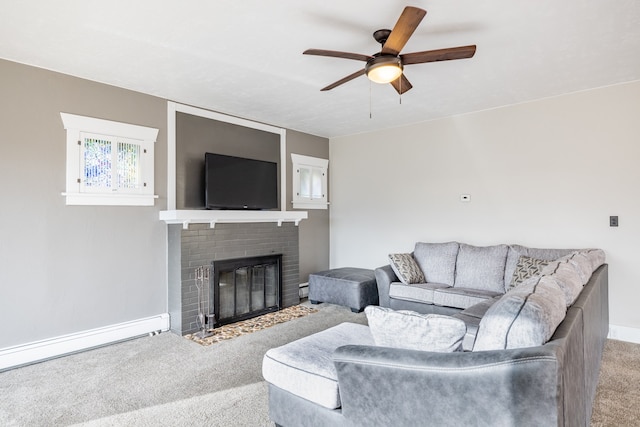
[
  {"x": 309, "y": 182},
  {"x": 108, "y": 163}
]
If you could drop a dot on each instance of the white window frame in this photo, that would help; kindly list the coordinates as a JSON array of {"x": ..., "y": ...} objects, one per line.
[
  {"x": 307, "y": 162},
  {"x": 78, "y": 194}
]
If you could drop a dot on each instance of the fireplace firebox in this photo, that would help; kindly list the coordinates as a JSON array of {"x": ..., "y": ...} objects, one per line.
[{"x": 242, "y": 288}]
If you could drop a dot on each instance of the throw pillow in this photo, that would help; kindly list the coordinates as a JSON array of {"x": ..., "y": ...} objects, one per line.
[
  {"x": 525, "y": 268},
  {"x": 414, "y": 331},
  {"x": 406, "y": 268}
]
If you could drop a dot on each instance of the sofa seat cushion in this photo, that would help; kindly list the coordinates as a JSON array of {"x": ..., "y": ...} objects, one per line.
[
  {"x": 414, "y": 331},
  {"x": 526, "y": 316},
  {"x": 481, "y": 267},
  {"x": 305, "y": 367},
  {"x": 437, "y": 261},
  {"x": 460, "y": 297},
  {"x": 418, "y": 292}
]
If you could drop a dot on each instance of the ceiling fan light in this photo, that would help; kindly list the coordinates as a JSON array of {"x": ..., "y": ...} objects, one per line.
[{"x": 384, "y": 69}]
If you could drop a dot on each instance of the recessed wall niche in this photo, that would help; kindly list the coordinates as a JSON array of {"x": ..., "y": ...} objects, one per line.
[{"x": 197, "y": 135}]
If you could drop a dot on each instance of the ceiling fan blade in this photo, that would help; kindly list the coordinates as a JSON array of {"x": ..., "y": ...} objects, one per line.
[
  {"x": 401, "y": 84},
  {"x": 344, "y": 80},
  {"x": 404, "y": 28},
  {"x": 337, "y": 54},
  {"x": 461, "y": 52}
]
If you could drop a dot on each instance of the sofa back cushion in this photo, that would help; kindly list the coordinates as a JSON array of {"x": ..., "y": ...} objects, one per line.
[
  {"x": 437, "y": 261},
  {"x": 526, "y": 316},
  {"x": 566, "y": 276},
  {"x": 481, "y": 267},
  {"x": 414, "y": 331}
]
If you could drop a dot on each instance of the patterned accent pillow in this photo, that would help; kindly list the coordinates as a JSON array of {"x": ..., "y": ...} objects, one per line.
[
  {"x": 526, "y": 267},
  {"x": 406, "y": 268}
]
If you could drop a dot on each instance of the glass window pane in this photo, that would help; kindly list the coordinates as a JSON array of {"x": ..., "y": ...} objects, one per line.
[
  {"x": 305, "y": 182},
  {"x": 128, "y": 165},
  {"x": 97, "y": 163},
  {"x": 316, "y": 184}
]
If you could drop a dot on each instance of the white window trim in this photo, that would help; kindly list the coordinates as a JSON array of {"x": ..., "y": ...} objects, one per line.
[
  {"x": 300, "y": 202},
  {"x": 75, "y": 125}
]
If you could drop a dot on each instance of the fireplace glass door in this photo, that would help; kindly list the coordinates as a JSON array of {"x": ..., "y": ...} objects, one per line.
[{"x": 245, "y": 287}]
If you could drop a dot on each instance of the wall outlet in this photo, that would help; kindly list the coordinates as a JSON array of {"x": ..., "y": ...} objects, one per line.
[{"x": 613, "y": 221}]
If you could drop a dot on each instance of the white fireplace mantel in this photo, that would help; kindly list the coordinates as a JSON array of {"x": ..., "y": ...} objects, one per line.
[{"x": 213, "y": 217}]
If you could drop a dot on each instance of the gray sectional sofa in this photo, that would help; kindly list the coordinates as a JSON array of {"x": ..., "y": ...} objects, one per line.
[{"x": 534, "y": 326}]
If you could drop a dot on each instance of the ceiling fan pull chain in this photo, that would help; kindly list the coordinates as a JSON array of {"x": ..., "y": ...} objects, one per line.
[
  {"x": 370, "y": 115},
  {"x": 400, "y": 92}
]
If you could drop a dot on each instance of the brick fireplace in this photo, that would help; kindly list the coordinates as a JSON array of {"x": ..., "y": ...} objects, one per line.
[{"x": 198, "y": 245}]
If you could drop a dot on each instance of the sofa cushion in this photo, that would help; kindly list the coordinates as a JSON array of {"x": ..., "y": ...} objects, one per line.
[
  {"x": 459, "y": 297},
  {"x": 515, "y": 251},
  {"x": 478, "y": 310},
  {"x": 305, "y": 367},
  {"x": 526, "y": 316},
  {"x": 418, "y": 292},
  {"x": 472, "y": 324},
  {"x": 526, "y": 267},
  {"x": 566, "y": 276},
  {"x": 406, "y": 268},
  {"x": 437, "y": 261},
  {"x": 481, "y": 267},
  {"x": 596, "y": 256},
  {"x": 414, "y": 331}
]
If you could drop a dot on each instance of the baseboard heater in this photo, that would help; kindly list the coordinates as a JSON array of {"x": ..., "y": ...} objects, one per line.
[
  {"x": 304, "y": 290},
  {"x": 24, "y": 354}
]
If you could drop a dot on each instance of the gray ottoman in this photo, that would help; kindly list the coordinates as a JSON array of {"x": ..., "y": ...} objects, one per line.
[{"x": 351, "y": 287}]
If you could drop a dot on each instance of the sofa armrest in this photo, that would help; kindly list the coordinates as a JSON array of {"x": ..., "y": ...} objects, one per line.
[
  {"x": 384, "y": 277},
  {"x": 385, "y": 386}
]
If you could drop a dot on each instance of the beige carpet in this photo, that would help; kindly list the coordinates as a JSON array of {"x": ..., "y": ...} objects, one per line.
[
  {"x": 166, "y": 380},
  {"x": 618, "y": 396}
]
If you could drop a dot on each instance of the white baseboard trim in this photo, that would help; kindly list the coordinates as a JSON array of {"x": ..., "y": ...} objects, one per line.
[
  {"x": 624, "y": 333},
  {"x": 24, "y": 354}
]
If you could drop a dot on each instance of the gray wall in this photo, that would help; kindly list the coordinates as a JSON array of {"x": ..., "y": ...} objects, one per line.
[
  {"x": 196, "y": 136},
  {"x": 547, "y": 173},
  {"x": 314, "y": 232},
  {"x": 65, "y": 269}
]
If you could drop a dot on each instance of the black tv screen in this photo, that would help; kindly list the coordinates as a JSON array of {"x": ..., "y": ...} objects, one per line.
[{"x": 238, "y": 183}]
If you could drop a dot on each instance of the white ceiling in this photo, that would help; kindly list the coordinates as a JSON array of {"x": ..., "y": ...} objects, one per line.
[{"x": 244, "y": 57}]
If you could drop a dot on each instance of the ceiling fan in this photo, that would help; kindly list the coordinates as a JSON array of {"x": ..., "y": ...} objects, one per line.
[{"x": 387, "y": 65}]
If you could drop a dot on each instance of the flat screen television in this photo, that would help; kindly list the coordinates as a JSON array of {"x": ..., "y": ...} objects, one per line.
[{"x": 237, "y": 183}]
